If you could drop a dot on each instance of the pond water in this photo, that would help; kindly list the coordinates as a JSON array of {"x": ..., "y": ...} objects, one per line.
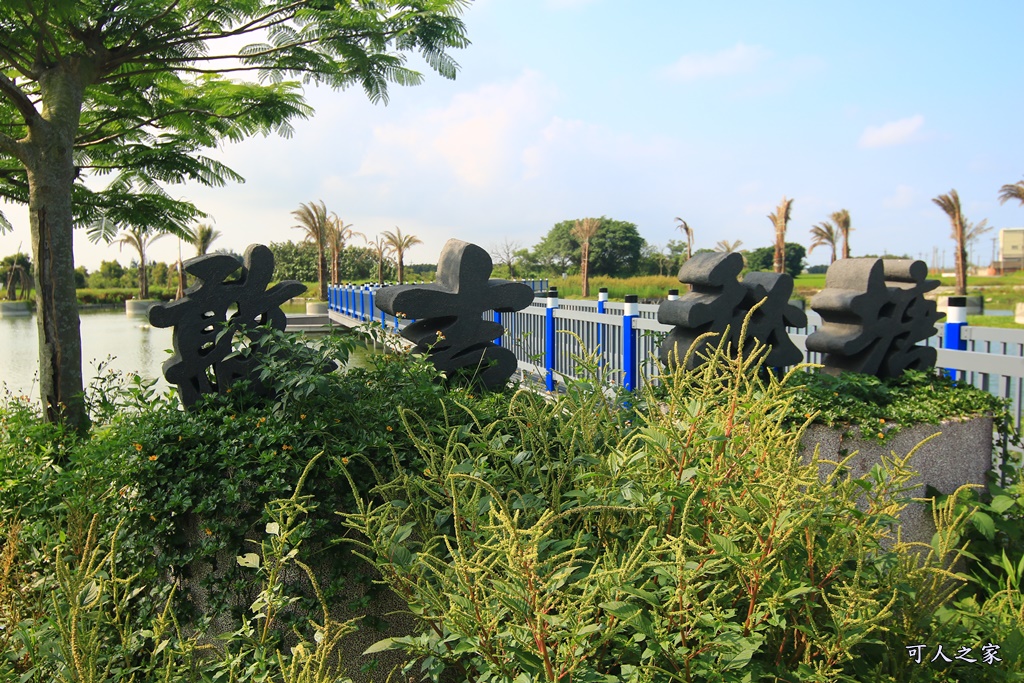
[{"x": 134, "y": 345}]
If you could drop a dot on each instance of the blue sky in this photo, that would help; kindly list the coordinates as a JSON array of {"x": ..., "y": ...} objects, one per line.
[{"x": 644, "y": 111}]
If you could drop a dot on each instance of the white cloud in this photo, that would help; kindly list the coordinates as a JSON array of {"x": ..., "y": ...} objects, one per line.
[
  {"x": 902, "y": 199},
  {"x": 475, "y": 137},
  {"x": 578, "y": 147},
  {"x": 736, "y": 59},
  {"x": 892, "y": 133}
]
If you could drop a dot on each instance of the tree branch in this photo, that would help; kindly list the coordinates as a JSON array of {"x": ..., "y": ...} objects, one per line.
[
  {"x": 267, "y": 20},
  {"x": 143, "y": 124},
  {"x": 11, "y": 147},
  {"x": 19, "y": 99},
  {"x": 18, "y": 65},
  {"x": 44, "y": 31}
]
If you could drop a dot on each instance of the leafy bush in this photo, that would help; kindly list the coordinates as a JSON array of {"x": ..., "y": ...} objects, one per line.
[{"x": 681, "y": 539}]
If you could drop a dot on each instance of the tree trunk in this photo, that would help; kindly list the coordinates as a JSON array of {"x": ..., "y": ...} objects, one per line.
[
  {"x": 51, "y": 174},
  {"x": 401, "y": 270},
  {"x": 380, "y": 270},
  {"x": 143, "y": 276},
  {"x": 961, "y": 263},
  {"x": 779, "y": 262},
  {"x": 321, "y": 271},
  {"x": 584, "y": 270}
]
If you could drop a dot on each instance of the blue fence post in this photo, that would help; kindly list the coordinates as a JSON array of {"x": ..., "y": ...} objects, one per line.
[
  {"x": 602, "y": 298},
  {"x": 549, "y": 340},
  {"x": 362, "y": 304},
  {"x": 497, "y": 319},
  {"x": 629, "y": 345},
  {"x": 956, "y": 321}
]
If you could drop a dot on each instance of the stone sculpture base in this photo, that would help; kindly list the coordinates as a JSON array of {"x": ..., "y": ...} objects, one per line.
[
  {"x": 961, "y": 454},
  {"x": 316, "y": 308},
  {"x": 385, "y": 607},
  {"x": 139, "y": 307},
  {"x": 15, "y": 309}
]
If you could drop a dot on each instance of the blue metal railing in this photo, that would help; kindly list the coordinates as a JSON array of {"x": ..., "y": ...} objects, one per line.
[{"x": 624, "y": 338}]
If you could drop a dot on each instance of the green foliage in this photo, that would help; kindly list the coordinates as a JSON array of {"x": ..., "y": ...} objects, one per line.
[
  {"x": 762, "y": 259},
  {"x": 684, "y": 539},
  {"x": 879, "y": 407},
  {"x": 614, "y": 250},
  {"x": 98, "y": 621},
  {"x": 298, "y": 262},
  {"x": 119, "y": 295}
]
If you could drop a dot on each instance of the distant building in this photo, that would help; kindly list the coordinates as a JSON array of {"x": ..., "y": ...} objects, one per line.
[{"x": 1011, "y": 251}]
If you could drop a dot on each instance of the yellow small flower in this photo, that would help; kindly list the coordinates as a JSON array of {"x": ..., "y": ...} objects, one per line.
[
  {"x": 227, "y": 391},
  {"x": 807, "y": 414},
  {"x": 286, "y": 447},
  {"x": 344, "y": 461},
  {"x": 138, "y": 446},
  {"x": 179, "y": 437},
  {"x": 388, "y": 428},
  {"x": 302, "y": 416},
  {"x": 882, "y": 420},
  {"x": 427, "y": 471},
  {"x": 261, "y": 420},
  {"x": 232, "y": 417},
  {"x": 152, "y": 518},
  {"x": 881, "y": 435},
  {"x": 208, "y": 532},
  {"x": 835, "y": 393},
  {"x": 152, "y": 457}
]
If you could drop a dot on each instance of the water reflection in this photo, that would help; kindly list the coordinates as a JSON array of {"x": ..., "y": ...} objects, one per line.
[{"x": 134, "y": 345}]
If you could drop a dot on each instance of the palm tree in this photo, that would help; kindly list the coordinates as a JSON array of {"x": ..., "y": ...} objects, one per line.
[
  {"x": 1015, "y": 191},
  {"x": 963, "y": 231},
  {"x": 824, "y": 234},
  {"x": 842, "y": 220},
  {"x": 727, "y": 246},
  {"x": 584, "y": 231},
  {"x": 338, "y": 233},
  {"x": 140, "y": 239},
  {"x": 399, "y": 243},
  {"x": 205, "y": 236},
  {"x": 313, "y": 219},
  {"x": 380, "y": 248},
  {"x": 685, "y": 228},
  {"x": 780, "y": 220}
]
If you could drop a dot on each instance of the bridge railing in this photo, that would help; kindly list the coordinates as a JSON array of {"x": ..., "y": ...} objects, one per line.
[{"x": 993, "y": 359}]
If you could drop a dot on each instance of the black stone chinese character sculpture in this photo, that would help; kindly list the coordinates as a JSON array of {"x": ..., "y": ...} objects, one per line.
[
  {"x": 449, "y": 327},
  {"x": 874, "y": 313},
  {"x": 719, "y": 300},
  {"x": 203, "y": 361}
]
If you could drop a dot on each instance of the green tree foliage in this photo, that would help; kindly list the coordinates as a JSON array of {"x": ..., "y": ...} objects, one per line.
[
  {"x": 294, "y": 261},
  {"x": 81, "y": 277},
  {"x": 614, "y": 249},
  {"x": 762, "y": 259},
  {"x": 15, "y": 272},
  {"x": 110, "y": 274},
  {"x": 298, "y": 262},
  {"x": 136, "y": 91}
]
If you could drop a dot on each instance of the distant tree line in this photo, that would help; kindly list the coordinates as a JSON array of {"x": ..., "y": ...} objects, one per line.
[{"x": 617, "y": 249}]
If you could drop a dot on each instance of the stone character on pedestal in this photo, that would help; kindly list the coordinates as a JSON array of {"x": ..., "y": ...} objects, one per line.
[{"x": 449, "y": 327}]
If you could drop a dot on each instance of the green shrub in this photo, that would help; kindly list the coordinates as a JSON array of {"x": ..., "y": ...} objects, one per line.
[{"x": 681, "y": 539}]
